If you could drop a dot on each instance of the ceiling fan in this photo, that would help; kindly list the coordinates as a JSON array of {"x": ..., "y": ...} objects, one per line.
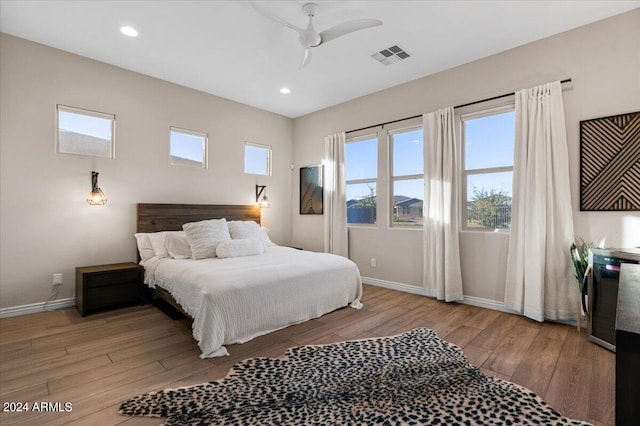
[{"x": 309, "y": 37}]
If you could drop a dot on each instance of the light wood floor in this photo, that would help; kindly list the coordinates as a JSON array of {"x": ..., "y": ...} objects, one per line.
[{"x": 98, "y": 361}]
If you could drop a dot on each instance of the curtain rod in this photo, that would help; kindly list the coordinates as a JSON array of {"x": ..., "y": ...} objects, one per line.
[{"x": 568, "y": 80}]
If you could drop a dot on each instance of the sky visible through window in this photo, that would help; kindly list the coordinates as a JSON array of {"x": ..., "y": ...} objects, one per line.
[
  {"x": 408, "y": 154},
  {"x": 85, "y": 124},
  {"x": 361, "y": 162},
  {"x": 495, "y": 131},
  {"x": 488, "y": 143},
  {"x": 362, "y": 159},
  {"x": 183, "y": 145},
  {"x": 187, "y": 146},
  {"x": 256, "y": 160}
]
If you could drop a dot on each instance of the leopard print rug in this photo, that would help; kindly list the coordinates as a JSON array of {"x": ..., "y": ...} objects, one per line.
[{"x": 411, "y": 379}]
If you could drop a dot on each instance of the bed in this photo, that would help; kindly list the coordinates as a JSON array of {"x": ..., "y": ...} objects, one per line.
[{"x": 236, "y": 299}]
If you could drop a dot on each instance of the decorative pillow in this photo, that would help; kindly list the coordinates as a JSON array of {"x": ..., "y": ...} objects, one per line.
[
  {"x": 266, "y": 231},
  {"x": 205, "y": 236},
  {"x": 238, "y": 248},
  {"x": 249, "y": 229},
  {"x": 178, "y": 246},
  {"x": 144, "y": 246},
  {"x": 159, "y": 242}
]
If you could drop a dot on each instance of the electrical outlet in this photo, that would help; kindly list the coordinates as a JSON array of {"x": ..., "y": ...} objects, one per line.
[
  {"x": 374, "y": 263},
  {"x": 57, "y": 279}
]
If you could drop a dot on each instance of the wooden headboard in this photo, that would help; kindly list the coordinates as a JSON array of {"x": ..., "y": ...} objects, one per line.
[{"x": 171, "y": 217}]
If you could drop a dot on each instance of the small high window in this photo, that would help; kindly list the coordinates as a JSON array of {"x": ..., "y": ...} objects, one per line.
[
  {"x": 187, "y": 148},
  {"x": 84, "y": 132},
  {"x": 257, "y": 159}
]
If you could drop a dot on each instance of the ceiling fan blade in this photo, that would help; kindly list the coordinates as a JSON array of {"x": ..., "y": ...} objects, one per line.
[
  {"x": 348, "y": 27},
  {"x": 276, "y": 18},
  {"x": 307, "y": 58}
]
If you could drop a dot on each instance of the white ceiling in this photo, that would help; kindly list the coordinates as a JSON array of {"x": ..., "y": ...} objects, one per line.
[{"x": 228, "y": 49}]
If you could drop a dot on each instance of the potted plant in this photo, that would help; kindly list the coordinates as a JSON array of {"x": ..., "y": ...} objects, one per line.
[{"x": 580, "y": 259}]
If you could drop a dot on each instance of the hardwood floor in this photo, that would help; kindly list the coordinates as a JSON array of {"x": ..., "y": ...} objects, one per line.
[{"x": 98, "y": 361}]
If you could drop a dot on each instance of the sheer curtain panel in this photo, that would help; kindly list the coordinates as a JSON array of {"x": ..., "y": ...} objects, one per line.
[
  {"x": 442, "y": 277},
  {"x": 335, "y": 200},
  {"x": 539, "y": 271}
]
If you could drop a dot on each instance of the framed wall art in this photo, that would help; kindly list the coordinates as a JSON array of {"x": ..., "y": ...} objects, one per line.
[
  {"x": 610, "y": 163},
  {"x": 311, "y": 190}
]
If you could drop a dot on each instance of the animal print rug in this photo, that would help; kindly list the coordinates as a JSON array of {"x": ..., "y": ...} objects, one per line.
[{"x": 412, "y": 378}]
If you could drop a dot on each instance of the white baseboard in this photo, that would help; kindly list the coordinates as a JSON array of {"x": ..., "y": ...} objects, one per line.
[
  {"x": 468, "y": 300},
  {"x": 407, "y": 288},
  {"x": 35, "y": 308},
  {"x": 487, "y": 303}
]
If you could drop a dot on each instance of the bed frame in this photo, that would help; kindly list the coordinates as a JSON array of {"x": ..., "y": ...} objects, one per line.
[{"x": 171, "y": 217}]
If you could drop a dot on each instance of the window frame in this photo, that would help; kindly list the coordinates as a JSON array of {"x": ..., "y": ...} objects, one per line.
[
  {"x": 355, "y": 137},
  {"x": 402, "y": 127},
  {"x": 269, "y": 159},
  {"x": 88, "y": 113},
  {"x": 205, "y": 150},
  {"x": 484, "y": 109}
]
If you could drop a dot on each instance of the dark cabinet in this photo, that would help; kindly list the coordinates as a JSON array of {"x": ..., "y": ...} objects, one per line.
[
  {"x": 108, "y": 286},
  {"x": 628, "y": 347}
]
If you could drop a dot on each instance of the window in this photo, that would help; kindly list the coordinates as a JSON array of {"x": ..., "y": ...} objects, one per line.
[
  {"x": 407, "y": 176},
  {"x": 187, "y": 148},
  {"x": 84, "y": 132},
  {"x": 361, "y": 165},
  {"x": 488, "y": 141},
  {"x": 257, "y": 159}
]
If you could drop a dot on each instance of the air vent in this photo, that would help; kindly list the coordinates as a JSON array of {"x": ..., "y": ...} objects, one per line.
[{"x": 391, "y": 55}]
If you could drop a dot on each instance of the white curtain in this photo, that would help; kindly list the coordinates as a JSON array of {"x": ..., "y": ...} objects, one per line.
[
  {"x": 539, "y": 272},
  {"x": 335, "y": 200},
  {"x": 442, "y": 277}
]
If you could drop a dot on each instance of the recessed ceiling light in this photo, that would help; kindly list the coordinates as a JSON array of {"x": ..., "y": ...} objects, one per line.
[
  {"x": 285, "y": 91},
  {"x": 129, "y": 31}
]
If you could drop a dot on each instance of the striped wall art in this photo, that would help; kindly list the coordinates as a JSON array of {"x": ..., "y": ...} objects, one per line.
[{"x": 610, "y": 163}]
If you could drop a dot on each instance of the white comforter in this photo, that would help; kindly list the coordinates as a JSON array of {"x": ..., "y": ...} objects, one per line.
[{"x": 236, "y": 299}]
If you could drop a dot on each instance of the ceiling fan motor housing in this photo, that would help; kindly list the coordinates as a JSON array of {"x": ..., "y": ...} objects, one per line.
[
  {"x": 310, "y": 9},
  {"x": 310, "y": 37}
]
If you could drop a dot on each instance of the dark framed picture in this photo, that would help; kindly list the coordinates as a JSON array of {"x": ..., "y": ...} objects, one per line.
[
  {"x": 311, "y": 190},
  {"x": 609, "y": 163}
]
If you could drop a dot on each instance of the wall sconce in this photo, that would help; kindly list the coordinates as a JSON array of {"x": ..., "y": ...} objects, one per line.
[
  {"x": 97, "y": 197},
  {"x": 263, "y": 202}
]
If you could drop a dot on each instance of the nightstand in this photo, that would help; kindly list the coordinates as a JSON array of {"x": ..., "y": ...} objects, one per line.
[{"x": 107, "y": 286}]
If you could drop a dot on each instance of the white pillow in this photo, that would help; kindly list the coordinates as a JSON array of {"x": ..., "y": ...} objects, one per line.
[
  {"x": 237, "y": 248},
  {"x": 178, "y": 246},
  {"x": 265, "y": 232},
  {"x": 205, "y": 236},
  {"x": 158, "y": 242},
  {"x": 248, "y": 229},
  {"x": 144, "y": 246}
]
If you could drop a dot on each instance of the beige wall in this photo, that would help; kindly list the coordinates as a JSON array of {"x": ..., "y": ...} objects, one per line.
[
  {"x": 46, "y": 224},
  {"x": 47, "y": 227},
  {"x": 603, "y": 60}
]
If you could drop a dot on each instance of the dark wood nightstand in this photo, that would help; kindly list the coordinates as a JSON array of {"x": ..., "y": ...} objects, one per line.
[{"x": 106, "y": 286}]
